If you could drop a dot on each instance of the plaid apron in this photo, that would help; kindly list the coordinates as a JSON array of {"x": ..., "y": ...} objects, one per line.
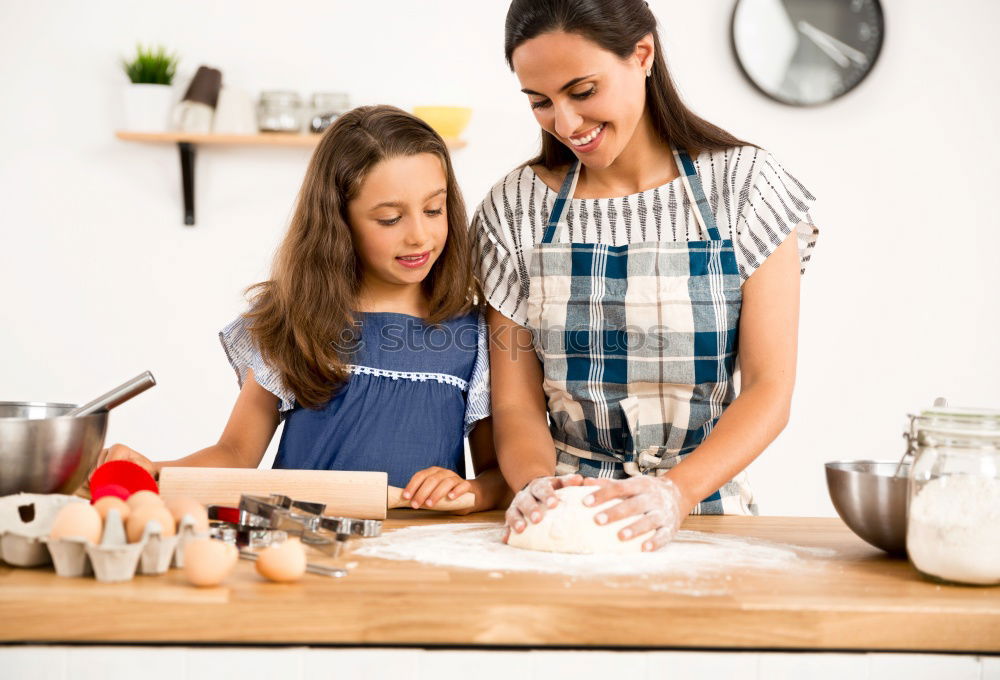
[{"x": 638, "y": 346}]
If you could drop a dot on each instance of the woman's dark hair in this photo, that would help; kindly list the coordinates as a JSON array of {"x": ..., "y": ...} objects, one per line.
[
  {"x": 616, "y": 26},
  {"x": 305, "y": 311}
]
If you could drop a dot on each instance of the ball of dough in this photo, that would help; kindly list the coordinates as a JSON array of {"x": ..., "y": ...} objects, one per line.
[{"x": 570, "y": 527}]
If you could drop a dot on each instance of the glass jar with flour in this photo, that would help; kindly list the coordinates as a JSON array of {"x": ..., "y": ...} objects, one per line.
[{"x": 953, "y": 525}]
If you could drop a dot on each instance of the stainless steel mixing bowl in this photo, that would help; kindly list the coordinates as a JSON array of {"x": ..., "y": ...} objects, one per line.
[
  {"x": 871, "y": 500},
  {"x": 42, "y": 452}
]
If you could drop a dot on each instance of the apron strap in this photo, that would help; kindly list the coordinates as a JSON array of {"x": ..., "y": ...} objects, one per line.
[
  {"x": 695, "y": 192},
  {"x": 690, "y": 179},
  {"x": 558, "y": 208}
]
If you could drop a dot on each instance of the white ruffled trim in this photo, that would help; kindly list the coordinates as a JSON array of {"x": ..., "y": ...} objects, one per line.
[
  {"x": 244, "y": 355},
  {"x": 409, "y": 375},
  {"x": 477, "y": 403}
]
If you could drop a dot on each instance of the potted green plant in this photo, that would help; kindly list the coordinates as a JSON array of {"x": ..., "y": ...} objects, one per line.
[{"x": 148, "y": 96}]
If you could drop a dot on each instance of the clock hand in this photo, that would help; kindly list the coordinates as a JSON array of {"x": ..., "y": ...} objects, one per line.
[
  {"x": 828, "y": 49},
  {"x": 839, "y": 51}
]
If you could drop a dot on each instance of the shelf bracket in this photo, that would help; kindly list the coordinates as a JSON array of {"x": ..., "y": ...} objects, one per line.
[{"x": 187, "y": 180}]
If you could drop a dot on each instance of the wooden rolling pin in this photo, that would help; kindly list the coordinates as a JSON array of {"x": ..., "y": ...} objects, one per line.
[{"x": 362, "y": 495}]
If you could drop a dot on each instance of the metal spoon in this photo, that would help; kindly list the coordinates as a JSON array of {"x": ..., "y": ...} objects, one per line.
[{"x": 117, "y": 396}]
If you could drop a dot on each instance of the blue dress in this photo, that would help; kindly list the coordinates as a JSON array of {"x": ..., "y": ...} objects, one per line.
[{"x": 414, "y": 393}]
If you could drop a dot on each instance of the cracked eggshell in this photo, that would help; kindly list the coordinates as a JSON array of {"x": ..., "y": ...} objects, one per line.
[
  {"x": 283, "y": 562},
  {"x": 207, "y": 562}
]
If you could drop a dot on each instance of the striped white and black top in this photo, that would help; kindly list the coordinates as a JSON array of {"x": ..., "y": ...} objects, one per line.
[{"x": 747, "y": 189}]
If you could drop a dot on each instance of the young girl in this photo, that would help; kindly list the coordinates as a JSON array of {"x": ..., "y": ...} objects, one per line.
[{"x": 366, "y": 341}]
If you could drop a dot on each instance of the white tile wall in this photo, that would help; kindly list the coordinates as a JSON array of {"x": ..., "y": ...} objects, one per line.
[{"x": 307, "y": 663}]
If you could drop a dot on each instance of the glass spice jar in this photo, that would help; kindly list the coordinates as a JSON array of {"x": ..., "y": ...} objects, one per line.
[
  {"x": 279, "y": 111},
  {"x": 953, "y": 523},
  {"x": 326, "y": 107}
]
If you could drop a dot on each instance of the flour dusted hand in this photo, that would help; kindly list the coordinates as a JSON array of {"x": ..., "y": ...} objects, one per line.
[
  {"x": 531, "y": 502},
  {"x": 654, "y": 502}
]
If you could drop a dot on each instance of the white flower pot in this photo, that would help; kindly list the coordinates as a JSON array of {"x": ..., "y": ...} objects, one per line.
[{"x": 147, "y": 107}]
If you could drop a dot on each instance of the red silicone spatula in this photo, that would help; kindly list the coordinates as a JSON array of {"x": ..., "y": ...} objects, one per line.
[{"x": 123, "y": 473}]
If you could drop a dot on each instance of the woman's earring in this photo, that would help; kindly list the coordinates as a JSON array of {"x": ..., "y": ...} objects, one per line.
[{"x": 649, "y": 71}]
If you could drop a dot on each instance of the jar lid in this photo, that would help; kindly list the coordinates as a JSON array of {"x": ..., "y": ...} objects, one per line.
[
  {"x": 280, "y": 97},
  {"x": 959, "y": 421}
]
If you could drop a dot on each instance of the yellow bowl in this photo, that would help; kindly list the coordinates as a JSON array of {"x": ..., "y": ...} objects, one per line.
[{"x": 447, "y": 121}]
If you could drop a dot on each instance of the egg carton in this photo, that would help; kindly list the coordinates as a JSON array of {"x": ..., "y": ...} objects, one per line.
[
  {"x": 114, "y": 559},
  {"x": 25, "y": 520}
]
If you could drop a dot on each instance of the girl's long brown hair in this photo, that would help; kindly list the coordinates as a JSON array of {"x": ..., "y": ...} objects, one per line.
[
  {"x": 617, "y": 26},
  {"x": 301, "y": 317}
]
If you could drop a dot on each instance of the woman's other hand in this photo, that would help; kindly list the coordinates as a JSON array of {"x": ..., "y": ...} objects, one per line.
[{"x": 655, "y": 503}]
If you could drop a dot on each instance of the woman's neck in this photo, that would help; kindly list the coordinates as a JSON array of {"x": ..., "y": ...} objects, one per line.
[
  {"x": 644, "y": 163},
  {"x": 379, "y": 296}
]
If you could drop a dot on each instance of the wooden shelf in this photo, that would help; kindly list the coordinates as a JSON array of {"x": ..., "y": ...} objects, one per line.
[
  {"x": 187, "y": 141},
  {"x": 263, "y": 139}
]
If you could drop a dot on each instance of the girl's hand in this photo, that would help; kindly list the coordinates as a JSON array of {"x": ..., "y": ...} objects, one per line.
[
  {"x": 655, "y": 502},
  {"x": 429, "y": 486},
  {"x": 122, "y": 452},
  {"x": 531, "y": 502}
]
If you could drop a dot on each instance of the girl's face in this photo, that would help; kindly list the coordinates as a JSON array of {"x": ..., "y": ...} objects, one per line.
[
  {"x": 399, "y": 219},
  {"x": 585, "y": 96}
]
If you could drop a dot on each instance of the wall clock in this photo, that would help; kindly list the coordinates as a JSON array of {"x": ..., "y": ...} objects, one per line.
[{"x": 807, "y": 52}]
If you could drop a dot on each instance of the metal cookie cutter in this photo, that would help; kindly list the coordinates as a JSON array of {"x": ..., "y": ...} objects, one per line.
[{"x": 262, "y": 520}]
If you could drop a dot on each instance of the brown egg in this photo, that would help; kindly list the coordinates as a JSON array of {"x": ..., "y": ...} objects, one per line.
[
  {"x": 143, "y": 515},
  {"x": 207, "y": 562},
  {"x": 183, "y": 505},
  {"x": 144, "y": 497},
  {"x": 77, "y": 520},
  {"x": 283, "y": 562},
  {"x": 102, "y": 505}
]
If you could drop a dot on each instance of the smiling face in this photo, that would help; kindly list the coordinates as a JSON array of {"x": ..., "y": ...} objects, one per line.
[
  {"x": 399, "y": 220},
  {"x": 585, "y": 96}
]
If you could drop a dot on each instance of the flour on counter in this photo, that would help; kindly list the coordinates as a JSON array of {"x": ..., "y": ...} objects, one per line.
[
  {"x": 478, "y": 546},
  {"x": 954, "y": 529}
]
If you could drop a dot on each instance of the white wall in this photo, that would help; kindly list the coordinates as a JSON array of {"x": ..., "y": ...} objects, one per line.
[{"x": 100, "y": 279}]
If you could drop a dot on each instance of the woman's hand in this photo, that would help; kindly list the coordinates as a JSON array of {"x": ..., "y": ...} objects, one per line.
[
  {"x": 655, "y": 502},
  {"x": 531, "y": 502},
  {"x": 122, "y": 452},
  {"x": 427, "y": 487}
]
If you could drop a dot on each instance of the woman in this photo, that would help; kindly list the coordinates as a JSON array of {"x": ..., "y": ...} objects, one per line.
[{"x": 624, "y": 266}]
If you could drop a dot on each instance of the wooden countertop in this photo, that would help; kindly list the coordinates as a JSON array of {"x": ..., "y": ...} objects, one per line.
[{"x": 858, "y": 599}]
